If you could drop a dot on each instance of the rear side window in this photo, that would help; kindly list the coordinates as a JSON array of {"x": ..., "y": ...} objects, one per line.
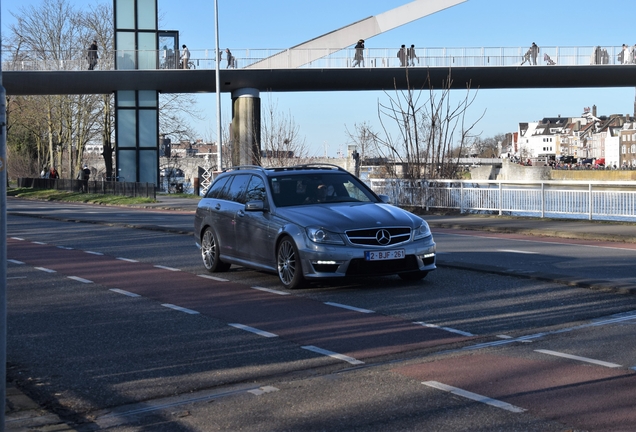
[
  {"x": 237, "y": 188},
  {"x": 216, "y": 190}
]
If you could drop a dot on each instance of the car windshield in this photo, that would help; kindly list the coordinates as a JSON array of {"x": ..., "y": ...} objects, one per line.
[{"x": 306, "y": 189}]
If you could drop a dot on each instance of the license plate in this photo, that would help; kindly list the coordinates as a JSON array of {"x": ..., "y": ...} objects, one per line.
[{"x": 384, "y": 255}]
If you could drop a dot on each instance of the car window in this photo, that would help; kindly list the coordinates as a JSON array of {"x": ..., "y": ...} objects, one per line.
[
  {"x": 256, "y": 189},
  {"x": 216, "y": 189},
  {"x": 303, "y": 189},
  {"x": 236, "y": 190}
]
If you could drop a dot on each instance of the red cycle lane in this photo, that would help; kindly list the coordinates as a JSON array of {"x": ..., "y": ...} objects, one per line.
[
  {"x": 303, "y": 321},
  {"x": 589, "y": 397}
]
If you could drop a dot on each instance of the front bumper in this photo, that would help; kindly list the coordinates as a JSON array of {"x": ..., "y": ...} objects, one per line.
[{"x": 333, "y": 261}]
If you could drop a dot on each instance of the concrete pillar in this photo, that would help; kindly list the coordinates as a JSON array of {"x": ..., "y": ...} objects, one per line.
[{"x": 246, "y": 127}]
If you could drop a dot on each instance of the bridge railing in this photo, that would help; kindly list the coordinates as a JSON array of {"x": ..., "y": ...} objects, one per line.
[
  {"x": 320, "y": 58},
  {"x": 557, "y": 199}
]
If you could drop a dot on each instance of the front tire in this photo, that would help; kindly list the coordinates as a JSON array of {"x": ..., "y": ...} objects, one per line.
[
  {"x": 210, "y": 253},
  {"x": 290, "y": 271}
]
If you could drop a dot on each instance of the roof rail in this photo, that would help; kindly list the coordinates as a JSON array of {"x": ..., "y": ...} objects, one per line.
[
  {"x": 244, "y": 167},
  {"x": 318, "y": 165}
]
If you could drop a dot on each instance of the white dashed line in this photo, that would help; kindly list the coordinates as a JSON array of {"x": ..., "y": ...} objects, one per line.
[
  {"x": 17, "y": 238},
  {"x": 218, "y": 279},
  {"x": 504, "y": 337},
  {"x": 65, "y": 247},
  {"x": 79, "y": 279},
  {"x": 583, "y": 359},
  {"x": 38, "y": 243},
  {"x": 126, "y": 293},
  {"x": 333, "y": 354},
  {"x": 352, "y": 308},
  {"x": 263, "y": 390},
  {"x": 448, "y": 329},
  {"x": 14, "y": 261},
  {"x": 270, "y": 290},
  {"x": 517, "y": 251},
  {"x": 180, "y": 309},
  {"x": 127, "y": 260},
  {"x": 94, "y": 253},
  {"x": 45, "y": 269},
  {"x": 167, "y": 268},
  {"x": 474, "y": 396},
  {"x": 253, "y": 330}
]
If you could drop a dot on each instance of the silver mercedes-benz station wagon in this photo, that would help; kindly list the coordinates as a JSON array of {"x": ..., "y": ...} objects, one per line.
[{"x": 308, "y": 222}]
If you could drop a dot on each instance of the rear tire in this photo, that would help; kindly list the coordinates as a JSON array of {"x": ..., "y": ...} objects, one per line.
[
  {"x": 290, "y": 271},
  {"x": 413, "y": 276},
  {"x": 210, "y": 253}
]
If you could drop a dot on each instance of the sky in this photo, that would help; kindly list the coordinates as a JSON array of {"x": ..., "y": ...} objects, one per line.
[{"x": 324, "y": 117}]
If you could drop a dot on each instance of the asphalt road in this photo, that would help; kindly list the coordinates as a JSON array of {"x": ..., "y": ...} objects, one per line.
[{"x": 114, "y": 327}]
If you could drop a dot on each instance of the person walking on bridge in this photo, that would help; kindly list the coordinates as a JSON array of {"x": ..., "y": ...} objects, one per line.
[
  {"x": 230, "y": 59},
  {"x": 185, "y": 57},
  {"x": 402, "y": 55},
  {"x": 534, "y": 52},
  {"x": 359, "y": 56},
  {"x": 92, "y": 56},
  {"x": 412, "y": 56}
]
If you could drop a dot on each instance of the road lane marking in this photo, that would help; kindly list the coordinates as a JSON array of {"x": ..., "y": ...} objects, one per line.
[
  {"x": 218, "y": 279},
  {"x": 38, "y": 243},
  {"x": 352, "y": 308},
  {"x": 94, "y": 253},
  {"x": 167, "y": 268},
  {"x": 180, "y": 309},
  {"x": 17, "y": 238},
  {"x": 517, "y": 251},
  {"x": 65, "y": 247},
  {"x": 530, "y": 338},
  {"x": 283, "y": 293},
  {"x": 263, "y": 390},
  {"x": 79, "y": 279},
  {"x": 45, "y": 269},
  {"x": 126, "y": 293},
  {"x": 474, "y": 396},
  {"x": 448, "y": 329},
  {"x": 547, "y": 241},
  {"x": 128, "y": 413},
  {"x": 583, "y": 359},
  {"x": 127, "y": 260},
  {"x": 333, "y": 354},
  {"x": 253, "y": 330},
  {"x": 14, "y": 261}
]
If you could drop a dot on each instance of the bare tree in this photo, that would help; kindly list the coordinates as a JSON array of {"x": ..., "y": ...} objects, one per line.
[
  {"x": 50, "y": 33},
  {"x": 57, "y": 34},
  {"x": 428, "y": 128},
  {"x": 365, "y": 140},
  {"x": 281, "y": 142}
]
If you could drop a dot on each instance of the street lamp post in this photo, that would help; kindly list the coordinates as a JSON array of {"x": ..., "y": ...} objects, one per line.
[{"x": 219, "y": 157}]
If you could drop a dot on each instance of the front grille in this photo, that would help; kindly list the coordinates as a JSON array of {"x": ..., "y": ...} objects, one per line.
[
  {"x": 370, "y": 268},
  {"x": 374, "y": 236}
]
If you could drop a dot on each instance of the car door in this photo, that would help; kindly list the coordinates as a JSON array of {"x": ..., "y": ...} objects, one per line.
[
  {"x": 254, "y": 241},
  {"x": 227, "y": 210}
]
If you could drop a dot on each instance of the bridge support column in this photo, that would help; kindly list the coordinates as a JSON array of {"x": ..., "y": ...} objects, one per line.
[{"x": 246, "y": 127}]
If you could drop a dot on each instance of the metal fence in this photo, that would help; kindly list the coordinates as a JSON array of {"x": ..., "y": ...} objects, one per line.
[
  {"x": 131, "y": 189},
  {"x": 592, "y": 200},
  {"x": 271, "y": 58}
]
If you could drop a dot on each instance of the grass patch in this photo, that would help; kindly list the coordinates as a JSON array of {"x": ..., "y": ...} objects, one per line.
[{"x": 57, "y": 195}]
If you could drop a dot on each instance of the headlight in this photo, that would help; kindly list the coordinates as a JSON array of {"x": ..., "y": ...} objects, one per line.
[
  {"x": 421, "y": 231},
  {"x": 320, "y": 235}
]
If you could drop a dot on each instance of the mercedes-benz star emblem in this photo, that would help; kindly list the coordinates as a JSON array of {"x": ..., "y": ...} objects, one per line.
[{"x": 383, "y": 237}]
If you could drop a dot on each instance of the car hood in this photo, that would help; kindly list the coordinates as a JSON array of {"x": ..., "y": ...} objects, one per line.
[{"x": 345, "y": 216}]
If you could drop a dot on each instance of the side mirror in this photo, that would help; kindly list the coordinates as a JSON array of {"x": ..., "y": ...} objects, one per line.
[
  {"x": 385, "y": 199},
  {"x": 256, "y": 205}
]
